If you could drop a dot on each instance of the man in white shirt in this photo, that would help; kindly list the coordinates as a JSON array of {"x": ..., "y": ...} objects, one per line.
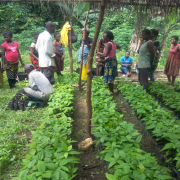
[
  {"x": 46, "y": 52},
  {"x": 40, "y": 88}
]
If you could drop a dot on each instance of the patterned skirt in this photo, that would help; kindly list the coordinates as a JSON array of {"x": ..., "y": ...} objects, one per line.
[
  {"x": 110, "y": 70},
  {"x": 11, "y": 69},
  {"x": 34, "y": 63}
]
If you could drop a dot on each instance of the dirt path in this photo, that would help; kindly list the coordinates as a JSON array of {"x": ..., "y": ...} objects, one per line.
[{"x": 89, "y": 168}]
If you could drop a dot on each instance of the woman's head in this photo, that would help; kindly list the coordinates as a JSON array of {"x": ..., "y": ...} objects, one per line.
[
  {"x": 87, "y": 31},
  {"x": 174, "y": 39},
  {"x": 146, "y": 34},
  {"x": 36, "y": 35},
  {"x": 108, "y": 36},
  {"x": 154, "y": 33},
  {"x": 8, "y": 36},
  {"x": 57, "y": 36}
]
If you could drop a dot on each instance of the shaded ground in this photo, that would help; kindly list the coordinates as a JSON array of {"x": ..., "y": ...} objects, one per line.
[
  {"x": 159, "y": 74},
  {"x": 89, "y": 168}
]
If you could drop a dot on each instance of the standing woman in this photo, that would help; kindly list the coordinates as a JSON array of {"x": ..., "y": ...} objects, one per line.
[
  {"x": 100, "y": 60},
  {"x": 172, "y": 64},
  {"x": 11, "y": 60},
  {"x": 110, "y": 69},
  {"x": 154, "y": 35},
  {"x": 34, "y": 58},
  {"x": 86, "y": 51}
]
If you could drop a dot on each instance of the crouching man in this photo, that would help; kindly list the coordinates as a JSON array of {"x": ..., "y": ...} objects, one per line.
[{"x": 40, "y": 88}]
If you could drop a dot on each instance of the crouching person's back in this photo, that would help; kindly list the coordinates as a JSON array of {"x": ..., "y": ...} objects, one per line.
[{"x": 40, "y": 88}]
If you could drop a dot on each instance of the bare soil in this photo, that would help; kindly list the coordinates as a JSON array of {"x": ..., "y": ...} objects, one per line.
[
  {"x": 90, "y": 167},
  {"x": 159, "y": 74}
]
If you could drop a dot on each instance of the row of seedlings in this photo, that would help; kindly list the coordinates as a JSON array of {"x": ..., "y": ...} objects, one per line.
[
  {"x": 164, "y": 127},
  {"x": 166, "y": 94},
  {"x": 51, "y": 155},
  {"x": 120, "y": 141}
]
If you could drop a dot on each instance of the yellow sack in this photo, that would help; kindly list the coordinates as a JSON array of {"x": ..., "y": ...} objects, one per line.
[{"x": 64, "y": 34}]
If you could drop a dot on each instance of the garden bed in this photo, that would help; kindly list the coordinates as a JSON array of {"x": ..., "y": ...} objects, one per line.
[{"x": 149, "y": 143}]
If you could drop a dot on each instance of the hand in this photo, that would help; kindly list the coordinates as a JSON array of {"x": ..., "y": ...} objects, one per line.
[
  {"x": 99, "y": 59},
  {"x": 141, "y": 38},
  {"x": 4, "y": 67},
  {"x": 62, "y": 58}
]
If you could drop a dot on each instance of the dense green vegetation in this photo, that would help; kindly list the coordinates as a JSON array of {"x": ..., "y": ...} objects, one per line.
[{"x": 24, "y": 19}]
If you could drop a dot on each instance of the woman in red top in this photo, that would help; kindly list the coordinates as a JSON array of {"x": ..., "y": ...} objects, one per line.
[
  {"x": 110, "y": 69},
  {"x": 172, "y": 63},
  {"x": 59, "y": 54},
  {"x": 10, "y": 61}
]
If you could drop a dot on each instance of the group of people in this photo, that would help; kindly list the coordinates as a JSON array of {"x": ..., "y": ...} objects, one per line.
[{"x": 45, "y": 56}]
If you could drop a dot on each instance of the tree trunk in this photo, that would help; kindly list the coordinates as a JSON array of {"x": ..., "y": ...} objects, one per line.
[
  {"x": 81, "y": 65},
  {"x": 135, "y": 41},
  {"x": 163, "y": 42},
  {"x": 89, "y": 71},
  {"x": 70, "y": 52}
]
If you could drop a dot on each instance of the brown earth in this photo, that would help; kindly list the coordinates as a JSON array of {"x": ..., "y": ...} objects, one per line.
[{"x": 90, "y": 167}]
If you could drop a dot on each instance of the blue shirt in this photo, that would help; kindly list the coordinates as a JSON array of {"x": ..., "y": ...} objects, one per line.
[{"x": 125, "y": 61}]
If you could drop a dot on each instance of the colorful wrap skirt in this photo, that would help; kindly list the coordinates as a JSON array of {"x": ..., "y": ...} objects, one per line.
[
  {"x": 34, "y": 63},
  {"x": 110, "y": 70},
  {"x": 11, "y": 69}
]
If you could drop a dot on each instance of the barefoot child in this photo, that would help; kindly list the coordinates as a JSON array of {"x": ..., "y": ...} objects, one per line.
[
  {"x": 58, "y": 49},
  {"x": 10, "y": 58}
]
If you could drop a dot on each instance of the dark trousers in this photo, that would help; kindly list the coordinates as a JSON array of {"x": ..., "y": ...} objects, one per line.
[
  {"x": 12, "y": 83},
  {"x": 37, "y": 101},
  {"x": 125, "y": 70},
  {"x": 48, "y": 72},
  {"x": 143, "y": 77}
]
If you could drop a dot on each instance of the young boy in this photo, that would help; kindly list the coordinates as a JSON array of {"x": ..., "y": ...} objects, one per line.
[{"x": 58, "y": 49}]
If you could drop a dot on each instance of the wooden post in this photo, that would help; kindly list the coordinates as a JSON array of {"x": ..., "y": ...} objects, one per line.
[
  {"x": 81, "y": 64},
  {"x": 89, "y": 71},
  {"x": 70, "y": 52}
]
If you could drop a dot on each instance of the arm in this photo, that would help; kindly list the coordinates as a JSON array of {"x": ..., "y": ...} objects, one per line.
[
  {"x": 32, "y": 83},
  {"x": 3, "y": 57},
  {"x": 118, "y": 47},
  {"x": 32, "y": 53},
  {"x": 85, "y": 42},
  {"x": 55, "y": 49},
  {"x": 150, "y": 46},
  {"x": 108, "y": 47},
  {"x": 20, "y": 58}
]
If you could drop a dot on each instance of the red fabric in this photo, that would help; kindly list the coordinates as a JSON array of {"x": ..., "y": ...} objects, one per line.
[
  {"x": 59, "y": 62},
  {"x": 172, "y": 63},
  {"x": 34, "y": 63},
  {"x": 112, "y": 52},
  {"x": 11, "y": 51}
]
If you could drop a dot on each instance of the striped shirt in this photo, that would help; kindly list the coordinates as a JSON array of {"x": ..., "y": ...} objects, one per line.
[{"x": 40, "y": 86}]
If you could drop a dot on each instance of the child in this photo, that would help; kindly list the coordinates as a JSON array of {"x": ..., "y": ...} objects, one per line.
[
  {"x": 59, "y": 54},
  {"x": 11, "y": 60},
  {"x": 34, "y": 54}
]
